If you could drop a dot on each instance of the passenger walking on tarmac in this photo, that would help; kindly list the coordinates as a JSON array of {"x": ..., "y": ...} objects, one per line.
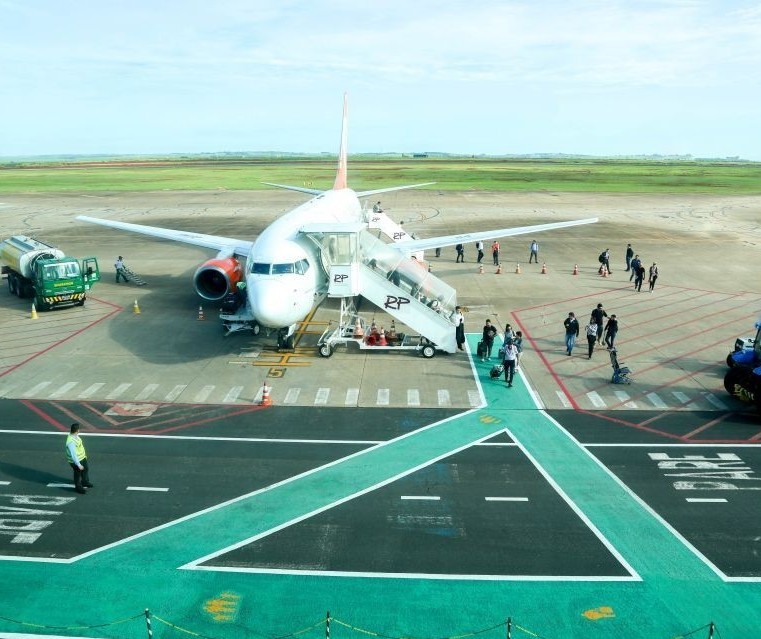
[
  {"x": 438, "y": 251},
  {"x": 120, "y": 269},
  {"x": 509, "y": 332},
  {"x": 635, "y": 265},
  {"x": 571, "y": 331},
  {"x": 460, "y": 253},
  {"x": 480, "y": 250},
  {"x": 639, "y": 277},
  {"x": 611, "y": 330},
  {"x": 508, "y": 359},
  {"x": 597, "y": 318},
  {"x": 591, "y": 331},
  {"x": 518, "y": 342},
  {"x": 534, "y": 252},
  {"x": 489, "y": 333},
  {"x": 495, "y": 252},
  {"x": 629, "y": 255},
  {"x": 459, "y": 323},
  {"x": 604, "y": 260},
  {"x": 653, "y": 276},
  {"x": 77, "y": 458}
]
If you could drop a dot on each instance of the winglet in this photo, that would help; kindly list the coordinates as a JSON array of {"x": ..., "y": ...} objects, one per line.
[{"x": 341, "y": 176}]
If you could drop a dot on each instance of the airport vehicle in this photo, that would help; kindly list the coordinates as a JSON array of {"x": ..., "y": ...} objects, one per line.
[
  {"x": 743, "y": 379},
  {"x": 39, "y": 270},
  {"x": 353, "y": 329},
  {"x": 324, "y": 248},
  {"x": 747, "y": 350}
]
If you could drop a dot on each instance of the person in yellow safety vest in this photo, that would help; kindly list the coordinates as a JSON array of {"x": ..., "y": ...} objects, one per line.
[{"x": 77, "y": 457}]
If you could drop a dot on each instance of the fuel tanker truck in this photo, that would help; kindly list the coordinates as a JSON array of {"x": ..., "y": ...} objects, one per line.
[{"x": 40, "y": 271}]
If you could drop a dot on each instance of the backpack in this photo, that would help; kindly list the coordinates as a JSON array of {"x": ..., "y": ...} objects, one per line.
[{"x": 602, "y": 258}]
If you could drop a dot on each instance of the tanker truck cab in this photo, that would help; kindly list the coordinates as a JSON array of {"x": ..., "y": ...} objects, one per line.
[{"x": 64, "y": 281}]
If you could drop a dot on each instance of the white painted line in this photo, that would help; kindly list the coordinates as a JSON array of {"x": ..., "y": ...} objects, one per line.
[
  {"x": 58, "y": 485},
  {"x": 175, "y": 392},
  {"x": 443, "y": 396},
  {"x": 716, "y": 401},
  {"x": 149, "y": 489},
  {"x": 413, "y": 397},
  {"x": 5, "y": 483},
  {"x": 624, "y": 398},
  {"x": 421, "y": 497},
  {"x": 203, "y": 394},
  {"x": 321, "y": 398},
  {"x": 352, "y": 397},
  {"x": 384, "y": 396},
  {"x": 63, "y": 389},
  {"x": 505, "y": 498},
  {"x": 292, "y": 396},
  {"x": 681, "y": 397},
  {"x": 563, "y": 399},
  {"x": 35, "y": 389},
  {"x": 232, "y": 395},
  {"x": 146, "y": 392},
  {"x": 474, "y": 398},
  {"x": 597, "y": 401},
  {"x": 706, "y": 500},
  {"x": 119, "y": 390},
  {"x": 656, "y": 401},
  {"x": 91, "y": 390}
]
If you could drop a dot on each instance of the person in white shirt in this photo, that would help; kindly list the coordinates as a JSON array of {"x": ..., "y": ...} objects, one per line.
[
  {"x": 480, "y": 250},
  {"x": 509, "y": 359},
  {"x": 534, "y": 254},
  {"x": 459, "y": 327}
]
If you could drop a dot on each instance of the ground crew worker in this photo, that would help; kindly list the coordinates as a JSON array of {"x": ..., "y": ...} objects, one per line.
[
  {"x": 120, "y": 269},
  {"x": 377, "y": 207},
  {"x": 77, "y": 457}
]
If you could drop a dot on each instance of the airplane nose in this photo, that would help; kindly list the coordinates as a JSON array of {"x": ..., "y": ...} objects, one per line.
[{"x": 273, "y": 306}]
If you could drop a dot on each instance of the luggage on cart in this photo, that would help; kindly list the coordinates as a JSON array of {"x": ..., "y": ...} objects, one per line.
[{"x": 621, "y": 373}]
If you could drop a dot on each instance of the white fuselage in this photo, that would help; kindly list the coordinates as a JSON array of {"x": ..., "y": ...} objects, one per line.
[{"x": 283, "y": 269}]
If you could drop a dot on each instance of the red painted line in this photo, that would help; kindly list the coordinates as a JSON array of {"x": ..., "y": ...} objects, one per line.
[
  {"x": 704, "y": 427},
  {"x": 542, "y": 357},
  {"x": 50, "y": 420},
  {"x": 623, "y": 422},
  {"x": 58, "y": 343}
]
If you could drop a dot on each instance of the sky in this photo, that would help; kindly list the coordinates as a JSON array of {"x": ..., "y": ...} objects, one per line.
[{"x": 496, "y": 77}]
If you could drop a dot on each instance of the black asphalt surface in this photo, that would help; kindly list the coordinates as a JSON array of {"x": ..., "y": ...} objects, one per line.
[{"x": 446, "y": 526}]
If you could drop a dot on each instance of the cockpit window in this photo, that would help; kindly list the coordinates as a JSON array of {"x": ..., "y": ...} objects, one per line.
[
  {"x": 302, "y": 266},
  {"x": 260, "y": 268},
  {"x": 278, "y": 269}
]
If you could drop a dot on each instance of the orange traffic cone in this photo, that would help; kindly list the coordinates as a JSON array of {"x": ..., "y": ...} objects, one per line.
[
  {"x": 136, "y": 308},
  {"x": 382, "y": 341},
  {"x": 358, "y": 332},
  {"x": 499, "y": 269},
  {"x": 34, "y": 311},
  {"x": 544, "y": 268},
  {"x": 480, "y": 268},
  {"x": 604, "y": 271},
  {"x": 266, "y": 400},
  {"x": 518, "y": 269},
  {"x": 200, "y": 313},
  {"x": 575, "y": 269}
]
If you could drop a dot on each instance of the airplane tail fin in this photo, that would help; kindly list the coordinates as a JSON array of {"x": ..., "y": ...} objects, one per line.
[{"x": 341, "y": 175}]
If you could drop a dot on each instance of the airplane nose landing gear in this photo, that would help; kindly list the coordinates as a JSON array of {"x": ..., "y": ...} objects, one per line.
[{"x": 285, "y": 339}]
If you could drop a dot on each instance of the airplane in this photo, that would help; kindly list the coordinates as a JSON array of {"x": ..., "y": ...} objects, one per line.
[{"x": 292, "y": 265}]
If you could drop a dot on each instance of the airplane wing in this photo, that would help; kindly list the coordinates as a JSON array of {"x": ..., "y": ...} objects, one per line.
[
  {"x": 216, "y": 242},
  {"x": 463, "y": 238},
  {"x": 300, "y": 189},
  {"x": 392, "y": 188}
]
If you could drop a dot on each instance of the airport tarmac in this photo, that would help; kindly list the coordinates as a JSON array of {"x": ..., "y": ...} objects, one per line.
[
  {"x": 402, "y": 496},
  {"x": 674, "y": 339}
]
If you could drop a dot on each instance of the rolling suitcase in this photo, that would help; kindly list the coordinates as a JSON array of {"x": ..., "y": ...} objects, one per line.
[{"x": 481, "y": 349}]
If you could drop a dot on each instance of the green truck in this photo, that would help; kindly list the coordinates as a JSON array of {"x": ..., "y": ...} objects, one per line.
[{"x": 40, "y": 271}]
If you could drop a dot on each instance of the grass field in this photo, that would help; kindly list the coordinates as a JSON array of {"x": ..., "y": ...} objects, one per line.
[{"x": 611, "y": 176}]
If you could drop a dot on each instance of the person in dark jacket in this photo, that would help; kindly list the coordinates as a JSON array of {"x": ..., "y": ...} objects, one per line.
[
  {"x": 489, "y": 333},
  {"x": 629, "y": 256},
  {"x": 571, "y": 331},
  {"x": 639, "y": 277},
  {"x": 597, "y": 317},
  {"x": 611, "y": 330}
]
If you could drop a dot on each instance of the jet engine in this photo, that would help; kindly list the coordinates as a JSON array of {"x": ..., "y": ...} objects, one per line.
[{"x": 217, "y": 277}]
